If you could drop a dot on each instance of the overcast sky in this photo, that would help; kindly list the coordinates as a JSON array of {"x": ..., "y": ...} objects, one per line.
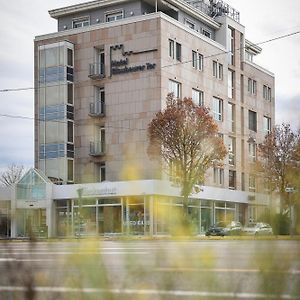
[{"x": 22, "y": 20}]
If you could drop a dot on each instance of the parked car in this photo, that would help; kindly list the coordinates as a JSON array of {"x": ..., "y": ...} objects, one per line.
[
  {"x": 216, "y": 230},
  {"x": 233, "y": 228},
  {"x": 258, "y": 229}
]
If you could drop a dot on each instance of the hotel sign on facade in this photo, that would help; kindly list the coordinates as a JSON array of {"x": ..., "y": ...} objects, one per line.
[{"x": 122, "y": 65}]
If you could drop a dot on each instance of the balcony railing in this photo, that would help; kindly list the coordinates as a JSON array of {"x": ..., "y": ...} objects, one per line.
[
  {"x": 97, "y": 109},
  {"x": 97, "y": 71},
  {"x": 97, "y": 148}
]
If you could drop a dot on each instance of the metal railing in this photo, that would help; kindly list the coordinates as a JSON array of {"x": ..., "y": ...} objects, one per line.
[
  {"x": 97, "y": 148},
  {"x": 97, "y": 108},
  {"x": 96, "y": 71}
]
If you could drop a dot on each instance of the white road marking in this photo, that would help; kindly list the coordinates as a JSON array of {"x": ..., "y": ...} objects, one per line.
[{"x": 177, "y": 293}]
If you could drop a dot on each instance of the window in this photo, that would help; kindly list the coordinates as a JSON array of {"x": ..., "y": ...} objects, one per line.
[
  {"x": 231, "y": 117},
  {"x": 114, "y": 16},
  {"x": 52, "y": 151},
  {"x": 175, "y": 88},
  {"x": 252, "y": 120},
  {"x": 197, "y": 60},
  {"x": 252, "y": 183},
  {"x": 230, "y": 84},
  {"x": 174, "y": 50},
  {"x": 218, "y": 176},
  {"x": 267, "y": 93},
  {"x": 171, "y": 48},
  {"x": 252, "y": 86},
  {"x": 189, "y": 24},
  {"x": 70, "y": 57},
  {"x": 218, "y": 109},
  {"x": 217, "y": 70},
  {"x": 70, "y": 92},
  {"x": 252, "y": 152},
  {"x": 70, "y": 132},
  {"x": 70, "y": 170},
  {"x": 70, "y": 112},
  {"x": 99, "y": 106},
  {"x": 249, "y": 56},
  {"x": 231, "y": 151},
  {"x": 267, "y": 125},
  {"x": 102, "y": 172},
  {"x": 53, "y": 112},
  {"x": 243, "y": 182},
  {"x": 81, "y": 22},
  {"x": 231, "y": 46},
  {"x": 198, "y": 97},
  {"x": 70, "y": 150},
  {"x": 232, "y": 179},
  {"x": 206, "y": 32},
  {"x": 178, "y": 51}
]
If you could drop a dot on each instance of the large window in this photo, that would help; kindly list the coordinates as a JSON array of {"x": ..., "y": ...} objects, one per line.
[
  {"x": 252, "y": 183},
  {"x": 231, "y": 45},
  {"x": 217, "y": 70},
  {"x": 70, "y": 93},
  {"x": 267, "y": 125},
  {"x": 231, "y": 117},
  {"x": 231, "y": 150},
  {"x": 252, "y": 120},
  {"x": 102, "y": 172},
  {"x": 218, "y": 176},
  {"x": 232, "y": 179},
  {"x": 252, "y": 86},
  {"x": 198, "y": 97},
  {"x": 114, "y": 16},
  {"x": 70, "y": 170},
  {"x": 218, "y": 109},
  {"x": 230, "y": 84},
  {"x": 197, "y": 60},
  {"x": 81, "y": 22},
  {"x": 175, "y": 88},
  {"x": 174, "y": 50},
  {"x": 70, "y": 132},
  {"x": 252, "y": 152},
  {"x": 267, "y": 93}
]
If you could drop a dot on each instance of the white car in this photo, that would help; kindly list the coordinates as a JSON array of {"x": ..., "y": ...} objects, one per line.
[{"x": 258, "y": 229}]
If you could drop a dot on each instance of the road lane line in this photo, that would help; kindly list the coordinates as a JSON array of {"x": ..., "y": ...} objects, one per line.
[{"x": 177, "y": 293}]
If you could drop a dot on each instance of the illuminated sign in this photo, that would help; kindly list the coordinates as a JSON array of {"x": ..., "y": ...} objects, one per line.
[{"x": 121, "y": 66}]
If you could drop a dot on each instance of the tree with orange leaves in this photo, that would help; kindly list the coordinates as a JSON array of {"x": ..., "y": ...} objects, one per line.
[{"x": 185, "y": 137}]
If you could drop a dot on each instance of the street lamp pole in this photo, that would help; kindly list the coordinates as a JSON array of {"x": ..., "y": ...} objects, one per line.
[{"x": 79, "y": 192}]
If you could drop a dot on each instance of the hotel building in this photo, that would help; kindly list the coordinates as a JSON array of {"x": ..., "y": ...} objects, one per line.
[{"x": 100, "y": 79}]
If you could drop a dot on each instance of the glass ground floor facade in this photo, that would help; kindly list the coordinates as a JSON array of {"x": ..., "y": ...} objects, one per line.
[{"x": 139, "y": 215}]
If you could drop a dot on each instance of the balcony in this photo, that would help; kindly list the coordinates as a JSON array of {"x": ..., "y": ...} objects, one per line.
[
  {"x": 97, "y": 71},
  {"x": 97, "y": 148},
  {"x": 97, "y": 109}
]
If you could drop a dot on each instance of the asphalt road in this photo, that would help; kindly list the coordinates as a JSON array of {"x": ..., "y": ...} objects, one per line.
[{"x": 146, "y": 269}]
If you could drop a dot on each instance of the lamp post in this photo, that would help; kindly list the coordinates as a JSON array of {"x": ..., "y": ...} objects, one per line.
[
  {"x": 79, "y": 192},
  {"x": 290, "y": 190}
]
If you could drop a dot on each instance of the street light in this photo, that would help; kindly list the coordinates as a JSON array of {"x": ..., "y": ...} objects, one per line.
[{"x": 79, "y": 192}]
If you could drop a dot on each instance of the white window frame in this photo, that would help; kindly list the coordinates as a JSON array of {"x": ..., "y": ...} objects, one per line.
[
  {"x": 231, "y": 75},
  {"x": 217, "y": 109},
  {"x": 116, "y": 14},
  {"x": 231, "y": 150},
  {"x": 251, "y": 125},
  {"x": 171, "y": 48},
  {"x": 197, "y": 60},
  {"x": 252, "y": 152},
  {"x": 231, "y": 117},
  {"x": 175, "y": 88},
  {"x": 267, "y": 125},
  {"x": 267, "y": 92},
  {"x": 84, "y": 21},
  {"x": 252, "y": 86},
  {"x": 198, "y": 97},
  {"x": 252, "y": 183},
  {"x": 102, "y": 166},
  {"x": 218, "y": 176},
  {"x": 217, "y": 70}
]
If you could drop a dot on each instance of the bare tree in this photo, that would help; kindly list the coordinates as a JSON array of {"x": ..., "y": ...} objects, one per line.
[
  {"x": 185, "y": 137},
  {"x": 12, "y": 174}
]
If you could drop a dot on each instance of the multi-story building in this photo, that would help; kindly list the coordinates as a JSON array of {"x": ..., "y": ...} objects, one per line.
[{"x": 99, "y": 81}]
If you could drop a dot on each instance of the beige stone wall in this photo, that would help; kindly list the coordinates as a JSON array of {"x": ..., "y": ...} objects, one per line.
[{"x": 133, "y": 98}]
